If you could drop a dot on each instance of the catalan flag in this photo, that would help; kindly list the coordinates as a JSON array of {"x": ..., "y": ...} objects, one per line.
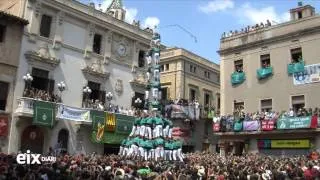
[{"x": 110, "y": 122}]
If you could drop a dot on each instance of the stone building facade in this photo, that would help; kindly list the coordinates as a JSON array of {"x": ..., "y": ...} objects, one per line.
[
  {"x": 11, "y": 31},
  {"x": 278, "y": 45},
  {"x": 271, "y": 68},
  {"x": 185, "y": 75},
  {"x": 83, "y": 47}
]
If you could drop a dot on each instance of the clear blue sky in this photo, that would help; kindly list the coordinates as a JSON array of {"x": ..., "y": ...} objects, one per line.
[{"x": 205, "y": 19}]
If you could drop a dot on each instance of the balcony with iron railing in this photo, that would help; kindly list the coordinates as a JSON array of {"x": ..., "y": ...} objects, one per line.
[{"x": 25, "y": 108}]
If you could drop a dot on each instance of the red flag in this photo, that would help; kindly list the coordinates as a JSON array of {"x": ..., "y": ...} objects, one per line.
[
  {"x": 3, "y": 125},
  {"x": 314, "y": 122}
]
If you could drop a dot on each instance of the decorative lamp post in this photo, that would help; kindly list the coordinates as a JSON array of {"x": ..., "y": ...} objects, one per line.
[
  {"x": 87, "y": 91},
  {"x": 61, "y": 87},
  {"x": 27, "y": 79},
  {"x": 109, "y": 97}
]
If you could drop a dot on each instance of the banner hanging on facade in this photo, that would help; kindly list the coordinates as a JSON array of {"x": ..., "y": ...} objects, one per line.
[
  {"x": 110, "y": 122},
  {"x": 98, "y": 124},
  {"x": 216, "y": 127},
  {"x": 250, "y": 125},
  {"x": 286, "y": 144},
  {"x": 294, "y": 122},
  {"x": 124, "y": 123},
  {"x": 311, "y": 74},
  {"x": 267, "y": 125},
  {"x": 237, "y": 126},
  {"x": 299, "y": 143},
  {"x": 74, "y": 114},
  {"x": 4, "y": 125},
  {"x": 44, "y": 113}
]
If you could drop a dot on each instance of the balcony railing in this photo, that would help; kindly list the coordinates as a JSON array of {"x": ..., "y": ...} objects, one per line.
[
  {"x": 238, "y": 78},
  {"x": 26, "y": 107},
  {"x": 263, "y": 73},
  {"x": 296, "y": 67}
]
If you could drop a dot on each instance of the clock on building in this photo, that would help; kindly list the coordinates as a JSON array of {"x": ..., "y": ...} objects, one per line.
[{"x": 121, "y": 50}]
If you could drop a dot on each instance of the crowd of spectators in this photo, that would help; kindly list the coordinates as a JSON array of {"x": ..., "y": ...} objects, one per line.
[
  {"x": 246, "y": 29},
  {"x": 39, "y": 94},
  {"x": 226, "y": 122},
  {"x": 196, "y": 166}
]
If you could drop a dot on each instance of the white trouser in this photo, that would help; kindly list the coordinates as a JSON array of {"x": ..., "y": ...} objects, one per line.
[
  {"x": 146, "y": 154},
  {"x": 137, "y": 133},
  {"x": 130, "y": 151},
  {"x": 166, "y": 131},
  {"x": 154, "y": 132},
  {"x": 157, "y": 153},
  {"x": 125, "y": 151},
  {"x": 121, "y": 151},
  {"x": 170, "y": 133},
  {"x": 161, "y": 152},
  {"x": 174, "y": 154},
  {"x": 133, "y": 131},
  {"x": 142, "y": 130},
  {"x": 148, "y": 132},
  {"x": 180, "y": 155},
  {"x": 158, "y": 130},
  {"x": 141, "y": 150},
  {"x": 168, "y": 155},
  {"x": 151, "y": 154}
]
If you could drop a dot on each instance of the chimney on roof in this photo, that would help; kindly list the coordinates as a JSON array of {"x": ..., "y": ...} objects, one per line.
[
  {"x": 302, "y": 11},
  {"x": 92, "y": 5}
]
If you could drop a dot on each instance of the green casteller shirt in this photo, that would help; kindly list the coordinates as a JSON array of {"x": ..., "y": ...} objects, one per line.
[
  {"x": 123, "y": 142},
  {"x": 177, "y": 144},
  {"x": 170, "y": 145},
  {"x": 150, "y": 144},
  {"x": 158, "y": 121},
  {"x": 129, "y": 142},
  {"x": 159, "y": 142},
  {"x": 149, "y": 121},
  {"x": 136, "y": 140},
  {"x": 167, "y": 145},
  {"x": 137, "y": 122},
  {"x": 143, "y": 121},
  {"x": 168, "y": 123}
]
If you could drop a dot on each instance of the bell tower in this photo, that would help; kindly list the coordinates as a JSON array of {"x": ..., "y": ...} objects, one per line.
[
  {"x": 116, "y": 10},
  {"x": 302, "y": 11}
]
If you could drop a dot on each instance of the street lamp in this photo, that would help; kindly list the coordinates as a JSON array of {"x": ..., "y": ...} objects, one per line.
[
  {"x": 109, "y": 97},
  {"x": 61, "y": 87},
  {"x": 86, "y": 91},
  {"x": 27, "y": 79}
]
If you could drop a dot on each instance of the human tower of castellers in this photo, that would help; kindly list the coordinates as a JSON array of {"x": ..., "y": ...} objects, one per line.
[{"x": 151, "y": 135}]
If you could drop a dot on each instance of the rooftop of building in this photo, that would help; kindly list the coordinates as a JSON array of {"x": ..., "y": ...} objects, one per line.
[
  {"x": 265, "y": 26},
  {"x": 264, "y": 34},
  {"x": 177, "y": 51},
  {"x": 12, "y": 17}
]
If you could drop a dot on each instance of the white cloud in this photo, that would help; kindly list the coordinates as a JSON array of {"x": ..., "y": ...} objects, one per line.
[
  {"x": 151, "y": 22},
  {"x": 131, "y": 14},
  {"x": 252, "y": 15},
  {"x": 217, "y": 5}
]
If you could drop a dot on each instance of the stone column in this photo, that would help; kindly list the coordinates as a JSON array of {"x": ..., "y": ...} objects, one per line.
[
  {"x": 89, "y": 40},
  {"x": 222, "y": 150},
  {"x": 135, "y": 56},
  {"x": 108, "y": 46},
  {"x": 35, "y": 22},
  {"x": 59, "y": 30},
  {"x": 179, "y": 85}
]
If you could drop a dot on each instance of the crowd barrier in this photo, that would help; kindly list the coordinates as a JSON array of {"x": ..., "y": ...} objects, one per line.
[{"x": 282, "y": 123}]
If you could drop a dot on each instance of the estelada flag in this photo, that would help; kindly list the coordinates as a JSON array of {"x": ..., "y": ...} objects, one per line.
[{"x": 3, "y": 125}]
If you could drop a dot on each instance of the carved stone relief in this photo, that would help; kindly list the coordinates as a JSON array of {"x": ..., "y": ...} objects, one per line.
[{"x": 118, "y": 87}]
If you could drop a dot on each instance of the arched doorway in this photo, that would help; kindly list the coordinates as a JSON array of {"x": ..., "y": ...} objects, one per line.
[
  {"x": 32, "y": 139},
  {"x": 63, "y": 138}
]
